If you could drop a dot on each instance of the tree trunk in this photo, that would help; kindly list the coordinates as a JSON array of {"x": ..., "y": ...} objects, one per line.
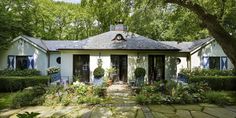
[{"x": 225, "y": 40}]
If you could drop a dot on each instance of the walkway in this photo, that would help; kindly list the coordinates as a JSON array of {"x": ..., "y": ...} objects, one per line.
[{"x": 123, "y": 106}]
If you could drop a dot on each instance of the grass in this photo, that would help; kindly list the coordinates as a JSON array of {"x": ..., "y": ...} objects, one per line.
[
  {"x": 221, "y": 97},
  {"x": 231, "y": 96},
  {"x": 5, "y": 100}
]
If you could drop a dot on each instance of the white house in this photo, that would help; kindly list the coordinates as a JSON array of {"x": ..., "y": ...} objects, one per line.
[
  {"x": 203, "y": 53},
  {"x": 119, "y": 49}
]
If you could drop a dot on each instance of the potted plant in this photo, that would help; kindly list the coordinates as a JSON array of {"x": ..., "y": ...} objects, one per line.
[
  {"x": 54, "y": 72},
  {"x": 98, "y": 74},
  {"x": 139, "y": 75},
  {"x": 110, "y": 75}
]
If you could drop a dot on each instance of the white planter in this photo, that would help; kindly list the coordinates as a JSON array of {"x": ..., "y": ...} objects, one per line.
[{"x": 98, "y": 81}]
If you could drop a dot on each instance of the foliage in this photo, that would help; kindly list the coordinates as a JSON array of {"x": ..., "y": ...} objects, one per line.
[
  {"x": 207, "y": 72},
  {"x": 139, "y": 72},
  {"x": 98, "y": 72},
  {"x": 16, "y": 19},
  {"x": 172, "y": 93},
  {"x": 216, "y": 82},
  {"x": 77, "y": 93},
  {"x": 5, "y": 99},
  {"x": 52, "y": 70},
  {"x": 28, "y": 97},
  {"x": 141, "y": 99},
  {"x": 217, "y": 97},
  {"x": 165, "y": 22},
  {"x": 27, "y": 115},
  {"x": 25, "y": 72},
  {"x": 9, "y": 83}
]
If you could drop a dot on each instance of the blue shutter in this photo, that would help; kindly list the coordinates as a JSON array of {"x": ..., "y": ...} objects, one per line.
[
  {"x": 30, "y": 62},
  {"x": 224, "y": 63},
  {"x": 10, "y": 62},
  {"x": 205, "y": 62}
]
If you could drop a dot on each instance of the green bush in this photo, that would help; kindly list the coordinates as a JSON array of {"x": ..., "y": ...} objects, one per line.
[
  {"x": 75, "y": 94},
  {"x": 141, "y": 99},
  {"x": 98, "y": 72},
  {"x": 172, "y": 93},
  {"x": 28, "y": 97},
  {"x": 216, "y": 97},
  {"x": 139, "y": 72},
  {"x": 216, "y": 82},
  {"x": 26, "y": 72},
  {"x": 207, "y": 72},
  {"x": 9, "y": 83}
]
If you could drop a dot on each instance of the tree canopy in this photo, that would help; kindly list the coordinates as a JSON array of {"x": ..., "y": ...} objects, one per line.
[{"x": 181, "y": 20}]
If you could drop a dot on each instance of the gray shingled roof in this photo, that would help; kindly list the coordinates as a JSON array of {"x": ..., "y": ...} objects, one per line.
[
  {"x": 188, "y": 46},
  {"x": 105, "y": 41},
  {"x": 132, "y": 41},
  {"x": 36, "y": 41},
  {"x": 53, "y": 45}
]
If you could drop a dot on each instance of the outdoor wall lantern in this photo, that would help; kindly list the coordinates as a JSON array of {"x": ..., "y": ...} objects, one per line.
[
  {"x": 99, "y": 55},
  {"x": 138, "y": 55}
]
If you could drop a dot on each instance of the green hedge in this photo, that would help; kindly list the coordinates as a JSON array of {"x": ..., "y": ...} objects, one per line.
[
  {"x": 26, "y": 72},
  {"x": 216, "y": 82},
  {"x": 10, "y": 83},
  {"x": 207, "y": 72}
]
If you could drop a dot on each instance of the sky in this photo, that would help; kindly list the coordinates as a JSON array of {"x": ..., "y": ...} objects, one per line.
[{"x": 70, "y": 1}]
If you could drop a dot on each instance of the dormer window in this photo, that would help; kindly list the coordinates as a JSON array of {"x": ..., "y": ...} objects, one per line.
[{"x": 119, "y": 37}]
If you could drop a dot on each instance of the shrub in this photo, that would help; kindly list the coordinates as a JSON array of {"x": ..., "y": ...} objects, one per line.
[
  {"x": 74, "y": 94},
  {"x": 141, "y": 99},
  {"x": 172, "y": 93},
  {"x": 139, "y": 72},
  {"x": 216, "y": 97},
  {"x": 28, "y": 97},
  {"x": 26, "y": 72},
  {"x": 9, "y": 83},
  {"x": 98, "y": 72},
  {"x": 216, "y": 82},
  {"x": 207, "y": 72}
]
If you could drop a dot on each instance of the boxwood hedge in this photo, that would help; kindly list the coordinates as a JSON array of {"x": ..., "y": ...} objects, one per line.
[
  {"x": 216, "y": 82},
  {"x": 11, "y": 83}
]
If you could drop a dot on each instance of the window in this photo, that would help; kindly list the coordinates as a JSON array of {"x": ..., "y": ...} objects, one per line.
[
  {"x": 21, "y": 62},
  {"x": 178, "y": 60},
  {"x": 214, "y": 63},
  {"x": 58, "y": 60}
]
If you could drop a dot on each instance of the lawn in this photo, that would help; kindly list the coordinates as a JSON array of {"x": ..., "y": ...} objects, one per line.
[
  {"x": 231, "y": 96},
  {"x": 5, "y": 100}
]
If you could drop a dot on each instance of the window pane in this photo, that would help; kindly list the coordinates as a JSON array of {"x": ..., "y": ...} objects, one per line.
[
  {"x": 21, "y": 62},
  {"x": 214, "y": 63}
]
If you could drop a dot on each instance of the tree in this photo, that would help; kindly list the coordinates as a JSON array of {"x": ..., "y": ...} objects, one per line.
[
  {"x": 217, "y": 16},
  {"x": 15, "y": 19},
  {"x": 166, "y": 23}
]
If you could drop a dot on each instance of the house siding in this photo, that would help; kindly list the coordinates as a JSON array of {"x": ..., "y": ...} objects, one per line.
[
  {"x": 53, "y": 59},
  {"x": 212, "y": 50},
  {"x": 133, "y": 63},
  {"x": 22, "y": 48}
]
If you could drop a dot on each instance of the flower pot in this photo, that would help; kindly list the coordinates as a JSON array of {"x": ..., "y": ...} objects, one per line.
[
  {"x": 98, "y": 81},
  {"x": 109, "y": 82}
]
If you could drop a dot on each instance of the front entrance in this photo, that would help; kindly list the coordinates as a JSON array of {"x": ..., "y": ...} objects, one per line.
[
  {"x": 156, "y": 68},
  {"x": 119, "y": 62},
  {"x": 81, "y": 67}
]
